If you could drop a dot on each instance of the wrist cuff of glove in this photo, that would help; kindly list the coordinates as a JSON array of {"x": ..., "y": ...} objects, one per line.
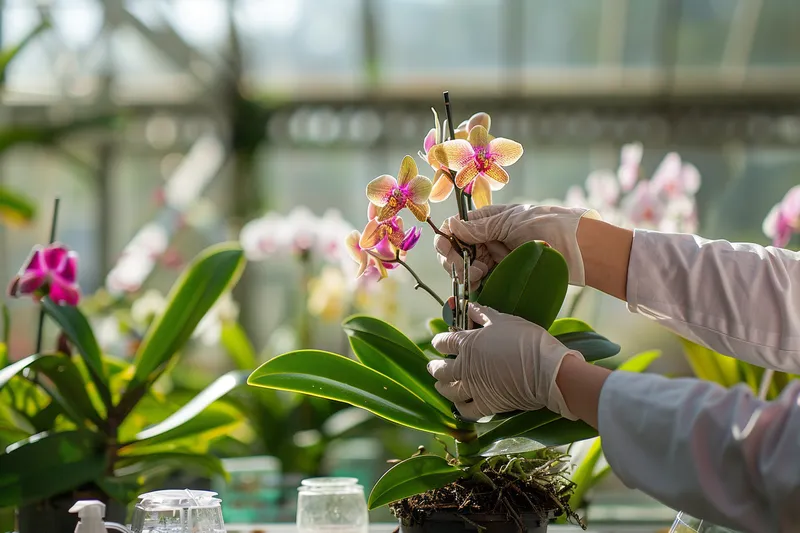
[
  {"x": 577, "y": 272},
  {"x": 556, "y": 402}
]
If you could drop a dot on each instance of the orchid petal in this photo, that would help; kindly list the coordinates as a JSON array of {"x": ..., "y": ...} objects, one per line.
[
  {"x": 497, "y": 173},
  {"x": 479, "y": 136},
  {"x": 419, "y": 189},
  {"x": 770, "y": 224},
  {"x": 481, "y": 192},
  {"x": 631, "y": 154},
  {"x": 667, "y": 172},
  {"x": 505, "y": 152},
  {"x": 479, "y": 119},
  {"x": 390, "y": 210},
  {"x": 437, "y": 126},
  {"x": 430, "y": 140},
  {"x": 69, "y": 269},
  {"x": 372, "y": 211},
  {"x": 496, "y": 185},
  {"x": 454, "y": 154},
  {"x": 384, "y": 250},
  {"x": 353, "y": 249},
  {"x": 379, "y": 189},
  {"x": 421, "y": 211},
  {"x": 372, "y": 235},
  {"x": 411, "y": 239},
  {"x": 35, "y": 263},
  {"x": 432, "y": 160},
  {"x": 602, "y": 187},
  {"x": 690, "y": 177},
  {"x": 408, "y": 171},
  {"x": 64, "y": 293},
  {"x": 53, "y": 257},
  {"x": 396, "y": 234},
  {"x": 467, "y": 174},
  {"x": 30, "y": 282},
  {"x": 442, "y": 187},
  {"x": 461, "y": 131}
]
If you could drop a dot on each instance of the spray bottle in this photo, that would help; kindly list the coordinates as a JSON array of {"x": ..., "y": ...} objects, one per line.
[{"x": 90, "y": 514}]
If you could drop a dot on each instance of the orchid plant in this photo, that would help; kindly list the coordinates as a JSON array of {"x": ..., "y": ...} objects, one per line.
[
  {"x": 389, "y": 377},
  {"x": 84, "y": 419}
]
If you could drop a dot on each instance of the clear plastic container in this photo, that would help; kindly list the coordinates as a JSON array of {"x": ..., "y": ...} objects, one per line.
[
  {"x": 332, "y": 505},
  {"x": 178, "y": 511},
  {"x": 688, "y": 524}
]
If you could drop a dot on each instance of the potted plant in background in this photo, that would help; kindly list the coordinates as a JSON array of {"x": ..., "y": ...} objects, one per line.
[
  {"x": 93, "y": 433},
  {"x": 502, "y": 474}
]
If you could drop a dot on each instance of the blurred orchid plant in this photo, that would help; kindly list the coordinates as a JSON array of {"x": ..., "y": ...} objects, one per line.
[{"x": 783, "y": 220}]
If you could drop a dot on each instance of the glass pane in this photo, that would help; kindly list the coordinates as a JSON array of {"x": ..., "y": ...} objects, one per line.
[
  {"x": 643, "y": 33},
  {"x": 777, "y": 41},
  {"x": 426, "y": 36},
  {"x": 299, "y": 40},
  {"x": 702, "y": 31},
  {"x": 561, "y": 33}
]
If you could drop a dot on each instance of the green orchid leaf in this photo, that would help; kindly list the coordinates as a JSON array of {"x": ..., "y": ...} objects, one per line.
[
  {"x": 15, "y": 368},
  {"x": 215, "y": 419},
  {"x": 238, "y": 346},
  {"x": 70, "y": 389},
  {"x": 384, "y": 349},
  {"x": 219, "y": 388},
  {"x": 516, "y": 426},
  {"x": 48, "y": 464},
  {"x": 592, "y": 345},
  {"x": 512, "y": 446},
  {"x": 560, "y": 432},
  {"x": 563, "y": 326},
  {"x": 640, "y": 362},
  {"x": 530, "y": 282},
  {"x": 332, "y": 376},
  {"x": 211, "y": 273},
  {"x": 584, "y": 477},
  {"x": 204, "y": 463},
  {"x": 413, "y": 476},
  {"x": 77, "y": 329},
  {"x": 16, "y": 208},
  {"x": 437, "y": 325},
  {"x": 710, "y": 365},
  {"x": 8, "y": 54}
]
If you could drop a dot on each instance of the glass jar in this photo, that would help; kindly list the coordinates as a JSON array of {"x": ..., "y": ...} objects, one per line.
[
  {"x": 688, "y": 524},
  {"x": 178, "y": 511},
  {"x": 331, "y": 504}
]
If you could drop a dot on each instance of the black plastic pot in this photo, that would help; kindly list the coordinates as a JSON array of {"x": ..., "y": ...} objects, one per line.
[
  {"x": 53, "y": 516},
  {"x": 455, "y": 523}
]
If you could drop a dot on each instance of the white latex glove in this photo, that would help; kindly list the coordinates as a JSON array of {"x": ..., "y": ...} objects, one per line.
[
  {"x": 510, "y": 364},
  {"x": 497, "y": 229}
]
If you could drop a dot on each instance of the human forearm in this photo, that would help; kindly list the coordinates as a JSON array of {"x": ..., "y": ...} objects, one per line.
[
  {"x": 606, "y": 251},
  {"x": 580, "y": 384}
]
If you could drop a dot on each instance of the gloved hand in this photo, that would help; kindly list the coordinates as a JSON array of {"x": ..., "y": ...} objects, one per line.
[
  {"x": 497, "y": 229},
  {"x": 510, "y": 364}
]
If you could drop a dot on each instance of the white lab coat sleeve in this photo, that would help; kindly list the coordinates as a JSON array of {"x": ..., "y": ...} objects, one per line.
[
  {"x": 715, "y": 453},
  {"x": 741, "y": 300}
]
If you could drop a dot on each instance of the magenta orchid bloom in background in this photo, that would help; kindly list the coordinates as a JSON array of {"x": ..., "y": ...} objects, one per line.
[
  {"x": 783, "y": 219},
  {"x": 480, "y": 156},
  {"x": 409, "y": 190},
  {"x": 50, "y": 271}
]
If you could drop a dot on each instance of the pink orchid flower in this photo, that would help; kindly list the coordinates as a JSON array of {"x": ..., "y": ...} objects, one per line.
[
  {"x": 50, "y": 271},
  {"x": 673, "y": 178},
  {"x": 481, "y": 187},
  {"x": 643, "y": 207},
  {"x": 630, "y": 165},
  {"x": 480, "y": 156},
  {"x": 367, "y": 264},
  {"x": 409, "y": 190},
  {"x": 784, "y": 219},
  {"x": 411, "y": 239}
]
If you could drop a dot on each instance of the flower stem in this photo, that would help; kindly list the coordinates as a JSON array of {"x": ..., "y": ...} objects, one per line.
[
  {"x": 420, "y": 284},
  {"x": 462, "y": 212},
  {"x": 53, "y": 225}
]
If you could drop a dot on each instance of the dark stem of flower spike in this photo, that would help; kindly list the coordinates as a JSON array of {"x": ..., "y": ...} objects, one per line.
[
  {"x": 462, "y": 212},
  {"x": 420, "y": 284},
  {"x": 53, "y": 226}
]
